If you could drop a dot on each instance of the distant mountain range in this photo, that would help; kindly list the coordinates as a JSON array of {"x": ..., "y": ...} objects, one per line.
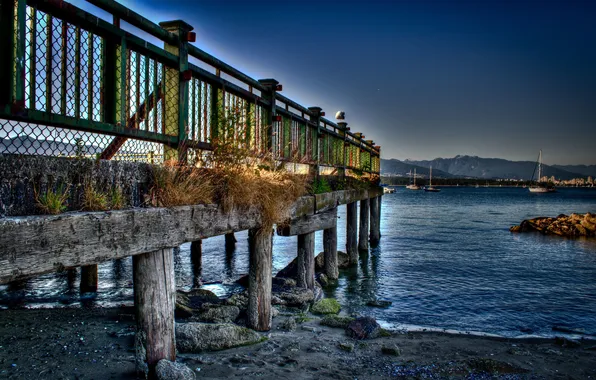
[{"x": 486, "y": 168}]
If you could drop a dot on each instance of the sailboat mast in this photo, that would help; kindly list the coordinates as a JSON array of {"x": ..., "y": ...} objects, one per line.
[
  {"x": 431, "y": 176},
  {"x": 414, "y": 177},
  {"x": 540, "y": 165}
]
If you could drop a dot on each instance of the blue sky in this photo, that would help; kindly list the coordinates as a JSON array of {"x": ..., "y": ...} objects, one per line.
[{"x": 424, "y": 79}]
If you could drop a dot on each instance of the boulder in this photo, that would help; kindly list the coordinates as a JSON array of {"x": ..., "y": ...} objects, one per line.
[
  {"x": 326, "y": 306},
  {"x": 217, "y": 313},
  {"x": 574, "y": 225},
  {"x": 296, "y": 296},
  {"x": 347, "y": 347},
  {"x": 363, "y": 328},
  {"x": 195, "y": 298},
  {"x": 199, "y": 337},
  {"x": 393, "y": 350},
  {"x": 167, "y": 370},
  {"x": 239, "y": 299},
  {"x": 337, "y": 321},
  {"x": 289, "y": 324}
]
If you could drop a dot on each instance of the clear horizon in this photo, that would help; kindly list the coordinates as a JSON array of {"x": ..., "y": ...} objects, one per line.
[{"x": 422, "y": 79}]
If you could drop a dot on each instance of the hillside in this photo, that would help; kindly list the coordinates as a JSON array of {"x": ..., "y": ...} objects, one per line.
[
  {"x": 400, "y": 168},
  {"x": 485, "y": 168}
]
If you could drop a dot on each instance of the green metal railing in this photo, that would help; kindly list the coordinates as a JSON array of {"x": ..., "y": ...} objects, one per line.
[{"x": 75, "y": 84}]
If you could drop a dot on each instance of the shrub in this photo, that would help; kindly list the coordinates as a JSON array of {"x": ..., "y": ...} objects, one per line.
[
  {"x": 319, "y": 186},
  {"x": 94, "y": 200}
]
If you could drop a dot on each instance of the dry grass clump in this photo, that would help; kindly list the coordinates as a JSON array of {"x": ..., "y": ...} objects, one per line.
[
  {"x": 94, "y": 199},
  {"x": 53, "y": 202},
  {"x": 178, "y": 185},
  {"x": 117, "y": 201}
]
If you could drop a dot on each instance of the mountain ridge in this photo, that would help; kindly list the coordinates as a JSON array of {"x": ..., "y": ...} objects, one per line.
[{"x": 486, "y": 168}]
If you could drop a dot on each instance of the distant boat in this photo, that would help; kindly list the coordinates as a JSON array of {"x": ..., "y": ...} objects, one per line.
[
  {"x": 540, "y": 187},
  {"x": 388, "y": 190},
  {"x": 430, "y": 187},
  {"x": 413, "y": 186}
]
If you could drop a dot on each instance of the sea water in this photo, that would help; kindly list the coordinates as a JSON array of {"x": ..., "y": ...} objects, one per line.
[{"x": 446, "y": 261}]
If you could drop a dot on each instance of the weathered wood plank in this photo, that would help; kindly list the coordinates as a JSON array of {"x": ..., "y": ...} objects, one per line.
[
  {"x": 306, "y": 224},
  {"x": 259, "y": 279},
  {"x": 155, "y": 297},
  {"x": 305, "y": 272}
]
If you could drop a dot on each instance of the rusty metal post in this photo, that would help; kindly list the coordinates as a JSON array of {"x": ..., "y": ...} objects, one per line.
[{"x": 176, "y": 95}]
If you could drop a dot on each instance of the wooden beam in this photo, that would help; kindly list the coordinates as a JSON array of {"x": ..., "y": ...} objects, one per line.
[{"x": 309, "y": 223}]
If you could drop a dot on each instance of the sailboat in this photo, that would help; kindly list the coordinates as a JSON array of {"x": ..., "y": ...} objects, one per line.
[
  {"x": 540, "y": 187},
  {"x": 430, "y": 187},
  {"x": 413, "y": 186}
]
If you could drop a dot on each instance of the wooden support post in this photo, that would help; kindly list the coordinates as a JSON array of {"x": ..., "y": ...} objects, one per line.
[
  {"x": 155, "y": 297},
  {"x": 352, "y": 232},
  {"x": 230, "y": 242},
  {"x": 330, "y": 253},
  {"x": 259, "y": 279},
  {"x": 196, "y": 258},
  {"x": 363, "y": 231},
  {"x": 306, "y": 261},
  {"x": 375, "y": 231},
  {"x": 89, "y": 278}
]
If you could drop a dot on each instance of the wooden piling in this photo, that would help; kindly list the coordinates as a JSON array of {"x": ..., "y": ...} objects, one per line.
[
  {"x": 364, "y": 225},
  {"x": 330, "y": 253},
  {"x": 89, "y": 278},
  {"x": 196, "y": 258},
  {"x": 352, "y": 232},
  {"x": 155, "y": 297},
  {"x": 259, "y": 279},
  {"x": 375, "y": 231},
  {"x": 230, "y": 242},
  {"x": 306, "y": 261}
]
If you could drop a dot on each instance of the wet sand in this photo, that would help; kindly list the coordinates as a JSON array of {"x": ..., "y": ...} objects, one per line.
[{"x": 98, "y": 344}]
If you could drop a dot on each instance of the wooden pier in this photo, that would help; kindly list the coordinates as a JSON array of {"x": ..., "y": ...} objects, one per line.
[{"x": 91, "y": 100}]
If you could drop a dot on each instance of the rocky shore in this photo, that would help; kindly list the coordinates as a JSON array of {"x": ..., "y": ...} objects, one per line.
[
  {"x": 311, "y": 338},
  {"x": 574, "y": 225}
]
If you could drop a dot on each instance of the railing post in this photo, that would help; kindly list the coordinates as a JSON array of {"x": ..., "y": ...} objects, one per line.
[
  {"x": 316, "y": 118},
  {"x": 176, "y": 95},
  {"x": 269, "y": 95},
  {"x": 13, "y": 18}
]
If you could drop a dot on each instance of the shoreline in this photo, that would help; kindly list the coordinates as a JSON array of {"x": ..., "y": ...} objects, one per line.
[{"x": 99, "y": 344}]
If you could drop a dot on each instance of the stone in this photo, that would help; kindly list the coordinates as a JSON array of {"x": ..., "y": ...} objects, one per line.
[
  {"x": 182, "y": 311},
  {"x": 296, "y": 296},
  {"x": 574, "y": 225},
  {"x": 393, "y": 350},
  {"x": 217, "y": 313},
  {"x": 196, "y": 337},
  {"x": 379, "y": 303},
  {"x": 275, "y": 300},
  {"x": 195, "y": 298},
  {"x": 348, "y": 347},
  {"x": 363, "y": 328},
  {"x": 239, "y": 299},
  {"x": 274, "y": 312},
  {"x": 343, "y": 261},
  {"x": 168, "y": 370},
  {"x": 289, "y": 324},
  {"x": 337, "y": 321},
  {"x": 322, "y": 279},
  {"x": 564, "y": 342},
  {"x": 326, "y": 306}
]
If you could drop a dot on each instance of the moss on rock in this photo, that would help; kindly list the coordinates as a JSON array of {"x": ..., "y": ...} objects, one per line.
[
  {"x": 338, "y": 321},
  {"x": 326, "y": 306}
]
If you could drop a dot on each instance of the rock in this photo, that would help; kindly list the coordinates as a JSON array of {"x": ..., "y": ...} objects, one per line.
[
  {"x": 239, "y": 299},
  {"x": 564, "y": 342},
  {"x": 274, "y": 312},
  {"x": 275, "y": 300},
  {"x": 198, "y": 337},
  {"x": 167, "y": 370},
  {"x": 309, "y": 328},
  {"x": 391, "y": 350},
  {"x": 217, "y": 313},
  {"x": 182, "y": 311},
  {"x": 363, "y": 328},
  {"x": 243, "y": 281},
  {"x": 195, "y": 298},
  {"x": 348, "y": 347},
  {"x": 322, "y": 279},
  {"x": 574, "y": 225},
  {"x": 289, "y": 324},
  {"x": 296, "y": 296},
  {"x": 326, "y": 306},
  {"x": 378, "y": 303},
  {"x": 337, "y": 321},
  {"x": 283, "y": 282},
  {"x": 569, "y": 330}
]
